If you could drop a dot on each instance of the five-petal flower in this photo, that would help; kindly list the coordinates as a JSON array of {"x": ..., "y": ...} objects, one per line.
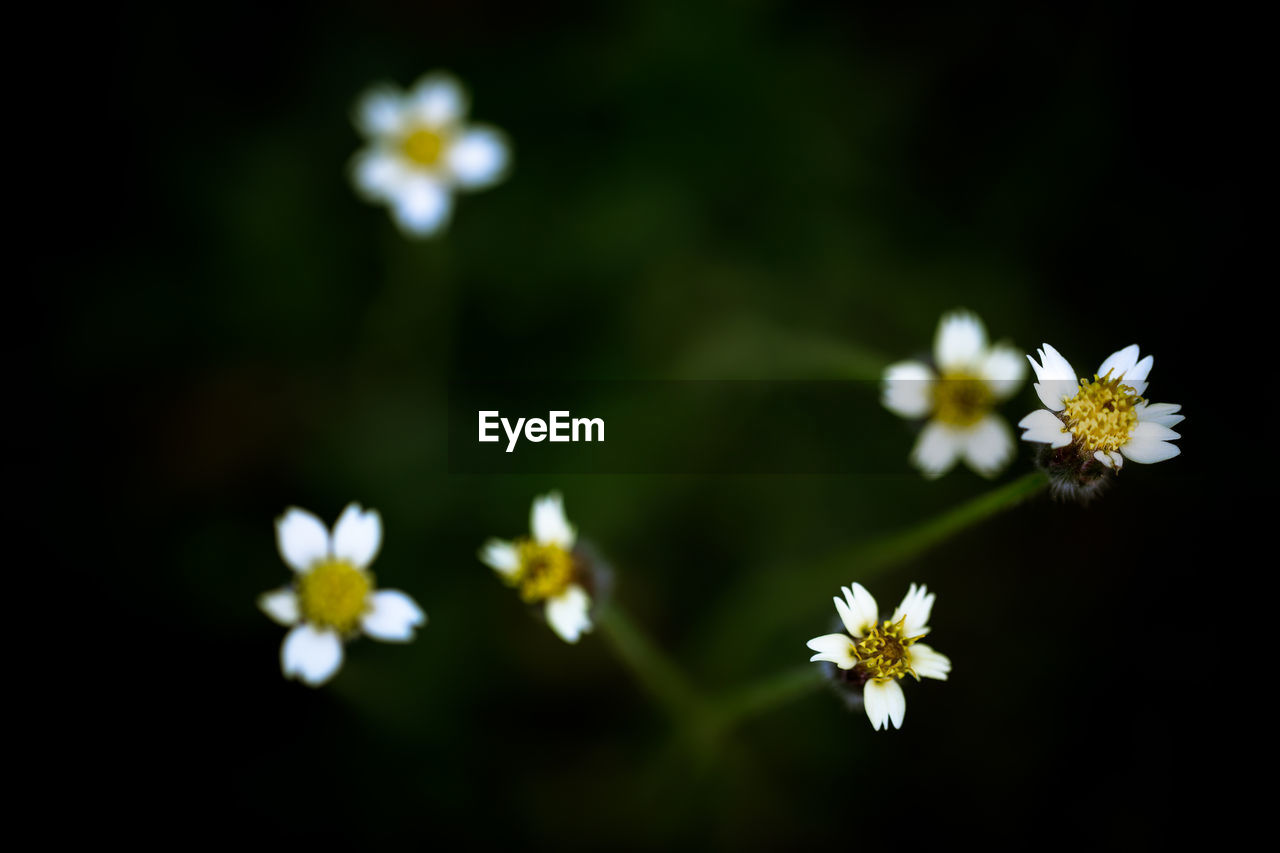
[
  {"x": 333, "y": 597},
  {"x": 545, "y": 568},
  {"x": 421, "y": 150},
  {"x": 1106, "y": 418},
  {"x": 877, "y": 655},
  {"x": 957, "y": 394}
]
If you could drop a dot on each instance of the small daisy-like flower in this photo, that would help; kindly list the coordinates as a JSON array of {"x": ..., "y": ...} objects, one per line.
[
  {"x": 957, "y": 394},
  {"x": 874, "y": 655},
  {"x": 1104, "y": 420},
  {"x": 547, "y": 569},
  {"x": 421, "y": 150},
  {"x": 332, "y": 598}
]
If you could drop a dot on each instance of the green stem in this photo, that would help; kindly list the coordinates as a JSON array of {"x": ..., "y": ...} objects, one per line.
[
  {"x": 767, "y": 694},
  {"x": 776, "y": 596},
  {"x": 879, "y": 554},
  {"x": 657, "y": 674}
]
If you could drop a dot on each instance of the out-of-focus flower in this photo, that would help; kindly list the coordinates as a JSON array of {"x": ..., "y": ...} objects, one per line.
[
  {"x": 332, "y": 598},
  {"x": 547, "y": 569},
  {"x": 873, "y": 656},
  {"x": 421, "y": 150},
  {"x": 957, "y": 394},
  {"x": 1090, "y": 427}
]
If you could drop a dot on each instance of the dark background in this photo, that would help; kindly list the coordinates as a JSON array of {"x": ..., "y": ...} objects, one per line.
[{"x": 753, "y": 190}]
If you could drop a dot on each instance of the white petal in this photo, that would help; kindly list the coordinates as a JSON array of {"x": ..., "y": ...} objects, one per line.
[
  {"x": 1148, "y": 451},
  {"x": 988, "y": 445},
  {"x": 1044, "y": 426},
  {"x": 1119, "y": 362},
  {"x": 1152, "y": 431},
  {"x": 479, "y": 157},
  {"x": 916, "y": 605},
  {"x": 1164, "y": 414},
  {"x": 961, "y": 341},
  {"x": 281, "y": 605},
  {"x": 1104, "y": 457},
  {"x": 884, "y": 703},
  {"x": 1117, "y": 460},
  {"x": 393, "y": 617},
  {"x": 377, "y": 174},
  {"x": 837, "y": 648},
  {"x": 422, "y": 206},
  {"x": 567, "y": 613},
  {"x": 1058, "y": 379},
  {"x": 928, "y": 663},
  {"x": 908, "y": 389},
  {"x": 357, "y": 536},
  {"x": 438, "y": 100},
  {"x": 310, "y": 655},
  {"x": 1136, "y": 376},
  {"x": 548, "y": 523},
  {"x": 937, "y": 449},
  {"x": 858, "y": 611},
  {"x": 379, "y": 111},
  {"x": 302, "y": 538},
  {"x": 1004, "y": 369},
  {"x": 500, "y": 556}
]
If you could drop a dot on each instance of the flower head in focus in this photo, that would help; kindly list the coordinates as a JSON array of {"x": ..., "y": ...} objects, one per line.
[
  {"x": 548, "y": 568},
  {"x": 873, "y": 656},
  {"x": 1090, "y": 427},
  {"x": 421, "y": 150},
  {"x": 332, "y": 598},
  {"x": 957, "y": 394}
]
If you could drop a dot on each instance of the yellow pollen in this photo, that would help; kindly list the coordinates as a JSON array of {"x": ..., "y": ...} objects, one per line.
[
  {"x": 883, "y": 652},
  {"x": 545, "y": 570},
  {"x": 1101, "y": 415},
  {"x": 961, "y": 400},
  {"x": 334, "y": 594},
  {"x": 424, "y": 146}
]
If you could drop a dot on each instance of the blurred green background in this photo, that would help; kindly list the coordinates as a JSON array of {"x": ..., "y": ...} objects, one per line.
[{"x": 753, "y": 190}]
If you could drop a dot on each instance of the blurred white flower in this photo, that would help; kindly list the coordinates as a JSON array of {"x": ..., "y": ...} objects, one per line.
[
  {"x": 957, "y": 394},
  {"x": 545, "y": 568},
  {"x": 332, "y": 598},
  {"x": 877, "y": 655},
  {"x": 421, "y": 150},
  {"x": 1105, "y": 419}
]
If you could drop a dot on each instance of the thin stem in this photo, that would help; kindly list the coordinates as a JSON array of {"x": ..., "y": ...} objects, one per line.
[
  {"x": 776, "y": 596},
  {"x": 656, "y": 673},
  {"x": 767, "y": 694}
]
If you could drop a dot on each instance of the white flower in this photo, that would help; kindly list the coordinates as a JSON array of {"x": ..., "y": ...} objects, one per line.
[
  {"x": 1106, "y": 418},
  {"x": 545, "y": 568},
  {"x": 332, "y": 597},
  {"x": 880, "y": 654},
  {"x": 421, "y": 150},
  {"x": 957, "y": 395}
]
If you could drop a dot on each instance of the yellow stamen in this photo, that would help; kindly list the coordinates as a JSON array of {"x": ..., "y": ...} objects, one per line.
[
  {"x": 1102, "y": 413},
  {"x": 424, "y": 146},
  {"x": 960, "y": 399},
  {"x": 334, "y": 594},
  {"x": 883, "y": 652},
  {"x": 545, "y": 570}
]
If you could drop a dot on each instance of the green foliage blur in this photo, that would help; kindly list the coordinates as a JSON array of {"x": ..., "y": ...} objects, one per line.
[{"x": 700, "y": 190}]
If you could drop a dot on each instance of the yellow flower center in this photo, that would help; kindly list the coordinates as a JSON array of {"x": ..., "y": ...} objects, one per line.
[
  {"x": 424, "y": 146},
  {"x": 334, "y": 594},
  {"x": 1101, "y": 415},
  {"x": 545, "y": 570},
  {"x": 883, "y": 652},
  {"x": 960, "y": 399}
]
